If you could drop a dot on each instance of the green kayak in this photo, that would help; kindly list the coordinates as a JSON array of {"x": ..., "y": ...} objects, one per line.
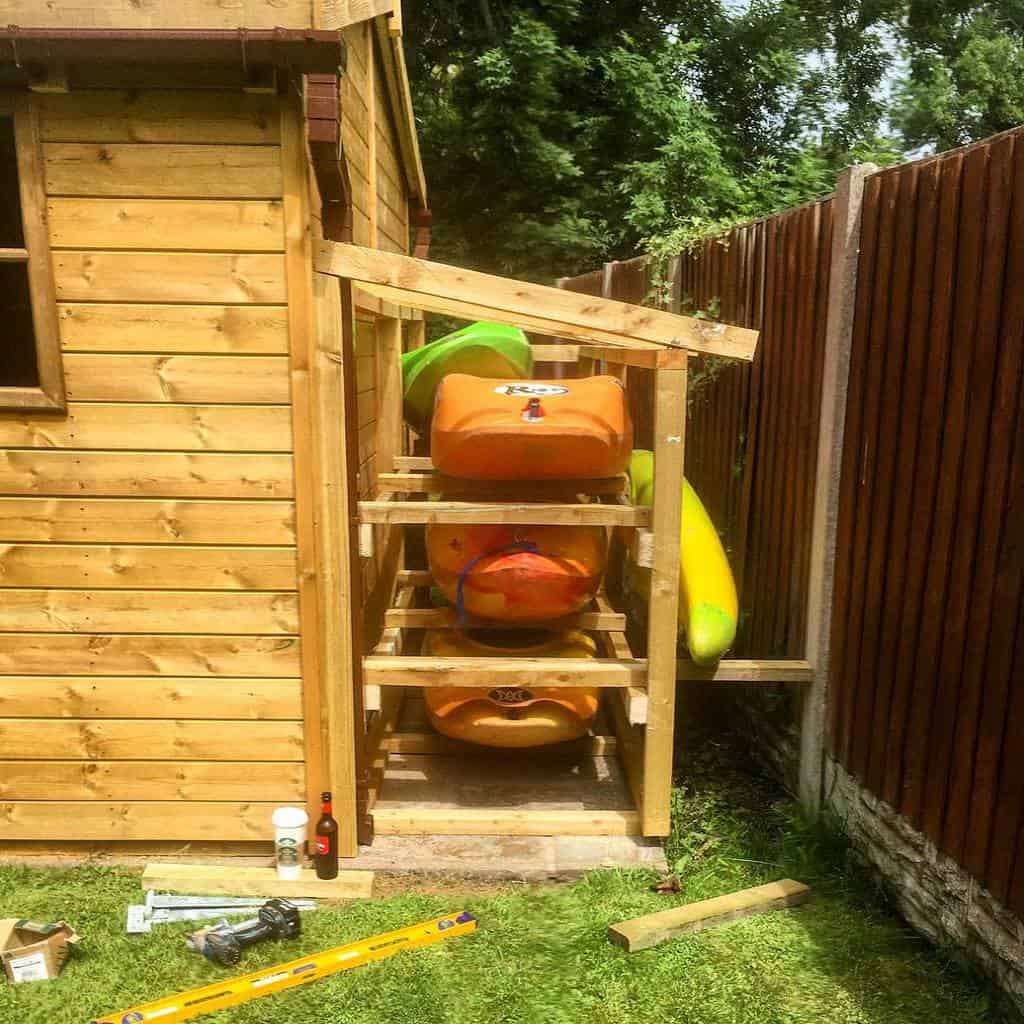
[{"x": 481, "y": 349}]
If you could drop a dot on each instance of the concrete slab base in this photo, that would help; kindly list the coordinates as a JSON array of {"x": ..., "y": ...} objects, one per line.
[{"x": 509, "y": 858}]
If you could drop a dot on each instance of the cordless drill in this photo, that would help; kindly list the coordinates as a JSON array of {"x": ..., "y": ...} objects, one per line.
[{"x": 223, "y": 942}]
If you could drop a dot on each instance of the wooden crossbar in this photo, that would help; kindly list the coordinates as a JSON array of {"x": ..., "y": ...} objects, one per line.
[{"x": 632, "y": 326}]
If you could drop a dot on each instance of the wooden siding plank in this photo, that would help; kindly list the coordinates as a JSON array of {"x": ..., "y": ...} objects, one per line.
[
  {"x": 150, "y": 780},
  {"x": 165, "y": 329},
  {"x": 134, "y": 655},
  {"x": 149, "y": 697},
  {"x": 208, "y": 14},
  {"x": 168, "y": 277},
  {"x": 192, "y": 224},
  {"x": 146, "y": 521},
  {"x": 140, "y": 567},
  {"x": 146, "y": 427},
  {"x": 60, "y": 739},
  {"x": 105, "y": 822},
  {"x": 150, "y": 474},
  {"x": 158, "y": 170},
  {"x": 193, "y": 380},
  {"x": 159, "y": 116},
  {"x": 147, "y": 611}
]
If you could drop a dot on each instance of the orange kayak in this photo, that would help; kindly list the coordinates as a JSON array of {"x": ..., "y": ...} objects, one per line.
[
  {"x": 530, "y": 430},
  {"x": 510, "y": 716},
  {"x": 517, "y": 573}
]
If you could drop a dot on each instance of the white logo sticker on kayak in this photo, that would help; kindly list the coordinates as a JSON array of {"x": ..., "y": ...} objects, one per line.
[{"x": 531, "y": 390}]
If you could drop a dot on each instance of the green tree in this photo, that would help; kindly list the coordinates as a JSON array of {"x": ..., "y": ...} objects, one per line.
[
  {"x": 558, "y": 133},
  {"x": 966, "y": 71}
]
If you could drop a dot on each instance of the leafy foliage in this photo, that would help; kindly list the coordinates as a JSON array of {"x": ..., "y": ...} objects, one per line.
[{"x": 559, "y": 133}]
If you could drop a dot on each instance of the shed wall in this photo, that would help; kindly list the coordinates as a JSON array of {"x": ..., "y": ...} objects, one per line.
[{"x": 149, "y": 622}]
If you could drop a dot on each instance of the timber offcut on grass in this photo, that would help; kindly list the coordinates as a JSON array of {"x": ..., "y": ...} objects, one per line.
[{"x": 653, "y": 929}]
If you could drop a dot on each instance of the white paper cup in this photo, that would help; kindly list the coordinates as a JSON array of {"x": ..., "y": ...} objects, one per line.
[{"x": 289, "y": 839}]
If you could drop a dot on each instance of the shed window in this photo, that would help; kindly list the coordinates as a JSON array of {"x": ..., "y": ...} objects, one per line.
[{"x": 31, "y": 376}]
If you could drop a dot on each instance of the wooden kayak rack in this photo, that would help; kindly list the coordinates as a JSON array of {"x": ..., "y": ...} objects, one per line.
[{"x": 623, "y": 784}]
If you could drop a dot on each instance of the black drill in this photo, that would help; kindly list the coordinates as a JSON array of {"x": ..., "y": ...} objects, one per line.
[{"x": 223, "y": 943}]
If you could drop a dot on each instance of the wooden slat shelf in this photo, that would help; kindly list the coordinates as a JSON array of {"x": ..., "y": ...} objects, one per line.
[
  {"x": 434, "y": 743},
  {"x": 385, "y": 670},
  {"x": 446, "y": 618},
  {"x": 738, "y": 670},
  {"x": 396, "y": 513},
  {"x": 501, "y": 821},
  {"x": 431, "y": 482}
]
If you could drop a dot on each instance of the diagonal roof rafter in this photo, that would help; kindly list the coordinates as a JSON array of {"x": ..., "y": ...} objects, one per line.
[{"x": 438, "y": 287}]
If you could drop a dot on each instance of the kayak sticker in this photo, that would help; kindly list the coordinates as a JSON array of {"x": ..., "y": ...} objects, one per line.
[{"x": 529, "y": 390}]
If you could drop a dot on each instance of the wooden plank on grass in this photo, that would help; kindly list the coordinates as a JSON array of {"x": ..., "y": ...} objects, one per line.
[
  {"x": 653, "y": 929},
  {"x": 246, "y": 881}
]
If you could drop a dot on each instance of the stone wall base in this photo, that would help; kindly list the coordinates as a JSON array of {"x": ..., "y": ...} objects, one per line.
[{"x": 930, "y": 890}]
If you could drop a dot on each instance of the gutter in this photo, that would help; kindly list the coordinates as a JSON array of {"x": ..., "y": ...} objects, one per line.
[{"x": 301, "y": 50}]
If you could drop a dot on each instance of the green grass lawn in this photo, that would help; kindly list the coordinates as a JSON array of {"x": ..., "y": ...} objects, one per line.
[{"x": 540, "y": 954}]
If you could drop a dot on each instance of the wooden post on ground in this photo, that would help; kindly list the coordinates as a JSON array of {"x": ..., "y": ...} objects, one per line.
[
  {"x": 663, "y": 609},
  {"x": 846, "y": 211}
]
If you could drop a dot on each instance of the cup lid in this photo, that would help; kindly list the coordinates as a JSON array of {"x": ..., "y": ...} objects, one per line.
[{"x": 290, "y": 817}]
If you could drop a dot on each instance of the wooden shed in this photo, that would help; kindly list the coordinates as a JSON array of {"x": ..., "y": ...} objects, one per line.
[{"x": 204, "y": 476}]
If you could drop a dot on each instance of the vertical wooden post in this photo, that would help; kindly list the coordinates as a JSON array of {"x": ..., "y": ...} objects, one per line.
[
  {"x": 299, "y": 283},
  {"x": 338, "y": 593},
  {"x": 371, "y": 133},
  {"x": 389, "y": 392},
  {"x": 846, "y": 211},
  {"x": 663, "y": 609}
]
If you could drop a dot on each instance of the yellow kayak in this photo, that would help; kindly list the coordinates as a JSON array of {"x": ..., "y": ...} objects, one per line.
[{"x": 708, "y": 606}]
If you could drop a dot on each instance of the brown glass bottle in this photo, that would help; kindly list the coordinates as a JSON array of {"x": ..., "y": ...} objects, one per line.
[{"x": 325, "y": 841}]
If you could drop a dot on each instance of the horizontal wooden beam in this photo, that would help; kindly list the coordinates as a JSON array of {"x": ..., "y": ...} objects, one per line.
[
  {"x": 499, "y": 821},
  {"x": 504, "y": 296},
  {"x": 414, "y": 463},
  {"x": 398, "y": 512},
  {"x": 445, "y": 618},
  {"x": 737, "y": 670},
  {"x": 536, "y": 672},
  {"x": 414, "y": 578},
  {"x": 434, "y": 743},
  {"x": 477, "y": 311},
  {"x": 499, "y": 490},
  {"x": 665, "y": 359},
  {"x": 555, "y": 353}
]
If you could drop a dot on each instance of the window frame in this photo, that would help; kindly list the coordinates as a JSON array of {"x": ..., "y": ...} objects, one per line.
[{"x": 48, "y": 395}]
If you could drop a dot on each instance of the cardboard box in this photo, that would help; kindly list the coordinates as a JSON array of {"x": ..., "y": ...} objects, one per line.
[{"x": 30, "y": 951}]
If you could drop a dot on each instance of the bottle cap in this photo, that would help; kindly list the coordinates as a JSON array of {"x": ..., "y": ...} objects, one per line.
[{"x": 325, "y": 797}]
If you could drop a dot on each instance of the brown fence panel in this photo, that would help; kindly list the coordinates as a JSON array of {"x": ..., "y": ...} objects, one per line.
[
  {"x": 752, "y": 431},
  {"x": 927, "y": 704}
]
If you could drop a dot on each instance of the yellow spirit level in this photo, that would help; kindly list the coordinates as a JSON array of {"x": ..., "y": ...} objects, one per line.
[{"x": 233, "y": 991}]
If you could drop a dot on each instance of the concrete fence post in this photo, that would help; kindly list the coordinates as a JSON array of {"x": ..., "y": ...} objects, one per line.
[{"x": 846, "y": 213}]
